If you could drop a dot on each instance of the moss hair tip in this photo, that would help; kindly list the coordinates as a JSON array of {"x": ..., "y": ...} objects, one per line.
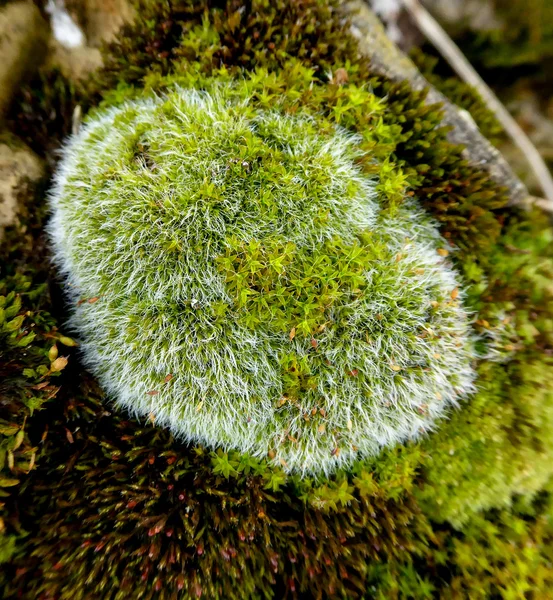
[{"x": 236, "y": 276}]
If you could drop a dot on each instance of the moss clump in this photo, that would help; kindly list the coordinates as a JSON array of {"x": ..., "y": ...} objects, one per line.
[
  {"x": 236, "y": 279},
  {"x": 242, "y": 36},
  {"x": 517, "y": 549}
]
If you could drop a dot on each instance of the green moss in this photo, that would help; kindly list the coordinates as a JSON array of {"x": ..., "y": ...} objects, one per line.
[
  {"x": 248, "y": 276},
  {"x": 30, "y": 343},
  {"x": 269, "y": 275},
  {"x": 517, "y": 559},
  {"x": 351, "y": 535},
  {"x": 214, "y": 33},
  {"x": 497, "y": 446},
  {"x": 499, "y": 554},
  {"x": 462, "y": 94},
  {"x": 186, "y": 37},
  {"x": 30, "y": 363},
  {"x": 523, "y": 36}
]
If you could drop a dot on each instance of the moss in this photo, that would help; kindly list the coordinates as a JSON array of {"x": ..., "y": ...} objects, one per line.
[
  {"x": 42, "y": 111},
  {"x": 524, "y": 36},
  {"x": 30, "y": 344},
  {"x": 30, "y": 364},
  {"x": 118, "y": 509},
  {"x": 499, "y": 444},
  {"x": 244, "y": 36},
  {"x": 499, "y": 554},
  {"x": 462, "y": 94},
  {"x": 505, "y": 538},
  {"x": 360, "y": 533},
  {"x": 183, "y": 37},
  {"x": 263, "y": 284}
]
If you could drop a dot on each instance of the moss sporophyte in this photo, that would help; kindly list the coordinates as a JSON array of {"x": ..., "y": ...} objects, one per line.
[{"x": 248, "y": 287}]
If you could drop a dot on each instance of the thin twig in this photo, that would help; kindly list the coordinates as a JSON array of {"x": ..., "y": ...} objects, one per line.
[
  {"x": 76, "y": 119},
  {"x": 456, "y": 59}
]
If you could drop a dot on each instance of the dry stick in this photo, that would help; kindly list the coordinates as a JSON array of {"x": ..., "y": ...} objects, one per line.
[{"x": 456, "y": 59}]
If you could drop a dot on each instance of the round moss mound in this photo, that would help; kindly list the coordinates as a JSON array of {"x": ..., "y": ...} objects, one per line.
[{"x": 236, "y": 277}]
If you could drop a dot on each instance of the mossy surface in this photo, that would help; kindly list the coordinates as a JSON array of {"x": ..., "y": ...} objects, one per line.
[
  {"x": 238, "y": 278},
  {"x": 460, "y": 93},
  {"x": 42, "y": 115},
  {"x": 384, "y": 528},
  {"x": 502, "y": 553},
  {"x": 137, "y": 514},
  {"x": 31, "y": 360}
]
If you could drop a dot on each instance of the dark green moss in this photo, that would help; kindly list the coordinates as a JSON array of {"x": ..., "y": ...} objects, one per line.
[
  {"x": 521, "y": 36},
  {"x": 30, "y": 342},
  {"x": 462, "y": 94},
  {"x": 117, "y": 509},
  {"x": 503, "y": 553},
  {"x": 232, "y": 33},
  {"x": 42, "y": 112},
  {"x": 29, "y": 346}
]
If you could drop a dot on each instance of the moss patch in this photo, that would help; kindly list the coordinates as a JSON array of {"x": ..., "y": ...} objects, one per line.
[
  {"x": 235, "y": 275},
  {"x": 505, "y": 259}
]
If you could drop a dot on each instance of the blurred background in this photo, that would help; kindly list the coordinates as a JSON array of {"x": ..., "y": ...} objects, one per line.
[{"x": 510, "y": 44}]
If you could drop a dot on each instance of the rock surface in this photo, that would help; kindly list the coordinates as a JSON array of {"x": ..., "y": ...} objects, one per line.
[
  {"x": 99, "y": 20},
  {"x": 23, "y": 34},
  {"x": 20, "y": 168},
  {"x": 104, "y": 18},
  {"x": 74, "y": 63}
]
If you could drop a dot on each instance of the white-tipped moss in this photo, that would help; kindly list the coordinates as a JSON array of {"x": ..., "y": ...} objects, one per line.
[{"x": 235, "y": 277}]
